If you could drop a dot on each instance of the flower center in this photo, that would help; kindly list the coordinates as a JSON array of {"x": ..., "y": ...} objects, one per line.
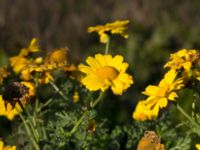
[
  {"x": 163, "y": 91},
  {"x": 107, "y": 72}
]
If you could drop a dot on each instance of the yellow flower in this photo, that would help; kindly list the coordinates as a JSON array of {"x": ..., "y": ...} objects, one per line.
[
  {"x": 196, "y": 74},
  {"x": 105, "y": 71},
  {"x": 183, "y": 59},
  {"x": 2, "y": 147},
  {"x": 197, "y": 146},
  {"x": 75, "y": 97},
  {"x": 31, "y": 88},
  {"x": 3, "y": 74},
  {"x": 158, "y": 96},
  {"x": 117, "y": 27},
  {"x": 45, "y": 78},
  {"x": 57, "y": 58},
  {"x": 8, "y": 110},
  {"x": 143, "y": 113},
  {"x": 18, "y": 63},
  {"x": 33, "y": 47}
]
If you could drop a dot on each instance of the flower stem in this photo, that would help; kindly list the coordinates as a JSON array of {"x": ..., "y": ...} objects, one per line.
[
  {"x": 99, "y": 98},
  {"x": 58, "y": 90},
  {"x": 107, "y": 45},
  {"x": 184, "y": 113},
  {"x": 77, "y": 124},
  {"x": 29, "y": 132},
  {"x": 92, "y": 105},
  {"x": 31, "y": 121}
]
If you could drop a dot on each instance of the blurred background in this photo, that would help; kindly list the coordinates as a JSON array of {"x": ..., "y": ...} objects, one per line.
[{"x": 156, "y": 29}]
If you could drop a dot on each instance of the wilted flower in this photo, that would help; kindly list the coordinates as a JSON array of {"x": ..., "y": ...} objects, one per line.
[
  {"x": 150, "y": 141},
  {"x": 117, "y": 27},
  {"x": 15, "y": 96},
  {"x": 105, "y": 71}
]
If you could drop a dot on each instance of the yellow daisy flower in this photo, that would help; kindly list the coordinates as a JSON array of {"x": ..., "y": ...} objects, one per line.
[
  {"x": 2, "y": 147},
  {"x": 143, "y": 113},
  {"x": 31, "y": 88},
  {"x": 117, "y": 27},
  {"x": 45, "y": 78},
  {"x": 7, "y": 110},
  {"x": 19, "y": 63},
  {"x": 33, "y": 47},
  {"x": 197, "y": 146},
  {"x": 183, "y": 59},
  {"x": 57, "y": 58},
  {"x": 105, "y": 71},
  {"x": 158, "y": 96}
]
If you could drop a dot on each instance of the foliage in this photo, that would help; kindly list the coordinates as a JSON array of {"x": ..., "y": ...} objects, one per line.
[{"x": 62, "y": 106}]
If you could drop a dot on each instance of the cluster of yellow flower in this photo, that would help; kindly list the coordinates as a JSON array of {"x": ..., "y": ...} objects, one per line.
[
  {"x": 184, "y": 61},
  {"x": 106, "y": 71},
  {"x": 32, "y": 70},
  {"x": 102, "y": 72},
  {"x": 38, "y": 68}
]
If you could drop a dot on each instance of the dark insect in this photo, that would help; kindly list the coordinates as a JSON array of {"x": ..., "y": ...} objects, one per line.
[{"x": 14, "y": 93}]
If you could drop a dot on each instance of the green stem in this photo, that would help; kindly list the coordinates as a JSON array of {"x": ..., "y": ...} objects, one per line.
[
  {"x": 44, "y": 105},
  {"x": 99, "y": 98},
  {"x": 107, "y": 46},
  {"x": 31, "y": 121},
  {"x": 58, "y": 90},
  {"x": 92, "y": 105},
  {"x": 29, "y": 132},
  {"x": 184, "y": 113},
  {"x": 77, "y": 124},
  {"x": 33, "y": 125}
]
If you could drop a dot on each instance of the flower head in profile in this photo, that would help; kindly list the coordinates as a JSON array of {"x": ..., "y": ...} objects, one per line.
[
  {"x": 57, "y": 58},
  {"x": 19, "y": 63},
  {"x": 33, "y": 47},
  {"x": 105, "y": 71},
  {"x": 183, "y": 59},
  {"x": 142, "y": 112},
  {"x": 2, "y": 147},
  {"x": 158, "y": 96},
  {"x": 117, "y": 27}
]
